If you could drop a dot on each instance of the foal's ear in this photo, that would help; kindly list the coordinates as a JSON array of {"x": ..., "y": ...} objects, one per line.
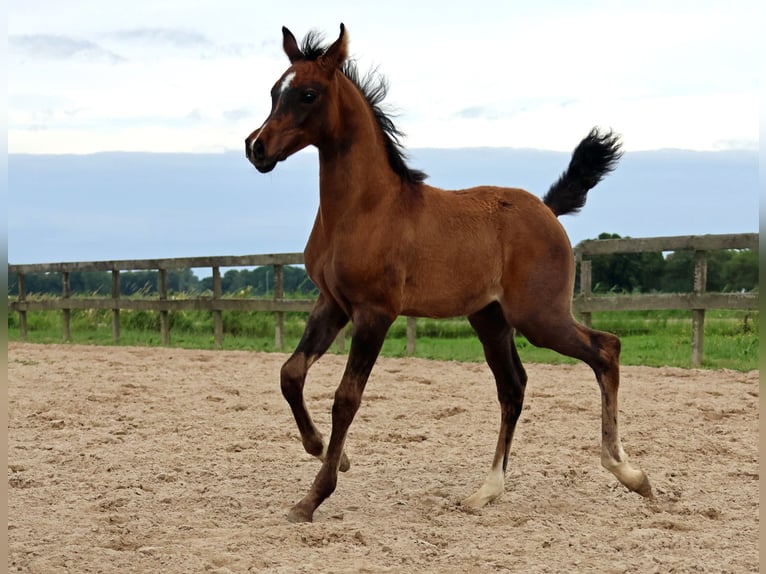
[
  {"x": 336, "y": 54},
  {"x": 290, "y": 45}
]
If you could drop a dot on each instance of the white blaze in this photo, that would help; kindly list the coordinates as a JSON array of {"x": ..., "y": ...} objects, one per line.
[
  {"x": 255, "y": 139},
  {"x": 288, "y": 79}
]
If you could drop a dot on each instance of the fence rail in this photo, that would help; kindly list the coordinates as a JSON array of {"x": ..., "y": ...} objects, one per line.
[
  {"x": 585, "y": 302},
  {"x": 162, "y": 304}
]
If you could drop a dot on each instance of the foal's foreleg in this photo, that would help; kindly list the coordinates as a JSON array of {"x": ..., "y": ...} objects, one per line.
[
  {"x": 323, "y": 325},
  {"x": 369, "y": 332},
  {"x": 500, "y": 352}
]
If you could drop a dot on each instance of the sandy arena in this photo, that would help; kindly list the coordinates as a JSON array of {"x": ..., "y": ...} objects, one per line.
[{"x": 125, "y": 459}]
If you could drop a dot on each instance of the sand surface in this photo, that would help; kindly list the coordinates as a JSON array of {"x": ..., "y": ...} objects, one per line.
[{"x": 125, "y": 459}]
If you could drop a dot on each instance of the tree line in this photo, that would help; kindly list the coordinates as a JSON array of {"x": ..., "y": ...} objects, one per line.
[
  {"x": 727, "y": 271},
  {"x": 244, "y": 282},
  {"x": 731, "y": 270}
]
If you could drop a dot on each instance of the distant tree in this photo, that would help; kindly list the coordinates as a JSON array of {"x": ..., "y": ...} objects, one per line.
[
  {"x": 740, "y": 271},
  {"x": 678, "y": 276},
  {"x": 626, "y": 272},
  {"x": 183, "y": 281},
  {"x": 100, "y": 282},
  {"x": 727, "y": 270},
  {"x": 716, "y": 261},
  {"x": 232, "y": 281},
  {"x": 138, "y": 282},
  {"x": 90, "y": 282},
  {"x": 260, "y": 281},
  {"x": 36, "y": 283},
  {"x": 297, "y": 281}
]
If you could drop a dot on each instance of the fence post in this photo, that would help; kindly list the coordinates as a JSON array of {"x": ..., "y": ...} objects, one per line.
[
  {"x": 411, "y": 335},
  {"x": 116, "y": 308},
  {"x": 66, "y": 312},
  {"x": 22, "y": 312},
  {"x": 586, "y": 279},
  {"x": 164, "y": 315},
  {"x": 698, "y": 315},
  {"x": 217, "y": 313},
  {"x": 279, "y": 316}
]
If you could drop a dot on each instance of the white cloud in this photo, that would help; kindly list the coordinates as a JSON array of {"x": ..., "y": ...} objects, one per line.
[
  {"x": 59, "y": 47},
  {"x": 174, "y": 36},
  {"x": 666, "y": 75},
  {"x": 702, "y": 122}
]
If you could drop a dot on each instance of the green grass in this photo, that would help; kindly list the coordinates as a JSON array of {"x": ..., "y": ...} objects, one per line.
[{"x": 660, "y": 338}]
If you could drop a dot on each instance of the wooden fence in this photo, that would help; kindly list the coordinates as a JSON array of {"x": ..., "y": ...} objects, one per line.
[
  {"x": 697, "y": 301},
  {"x": 585, "y": 302},
  {"x": 163, "y": 304}
]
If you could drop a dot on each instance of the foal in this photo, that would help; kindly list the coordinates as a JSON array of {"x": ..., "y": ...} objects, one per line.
[{"x": 385, "y": 244}]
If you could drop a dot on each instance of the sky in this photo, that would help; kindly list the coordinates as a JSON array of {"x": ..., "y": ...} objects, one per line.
[{"x": 87, "y": 76}]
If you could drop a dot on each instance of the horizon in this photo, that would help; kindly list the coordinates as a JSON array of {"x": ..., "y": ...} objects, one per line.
[
  {"x": 145, "y": 205},
  {"x": 407, "y": 151}
]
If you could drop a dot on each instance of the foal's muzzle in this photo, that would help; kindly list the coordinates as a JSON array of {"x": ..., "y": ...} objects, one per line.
[{"x": 255, "y": 151}]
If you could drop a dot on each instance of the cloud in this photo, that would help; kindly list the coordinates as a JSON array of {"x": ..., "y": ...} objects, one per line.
[
  {"x": 738, "y": 144},
  {"x": 238, "y": 114},
  {"x": 182, "y": 39},
  {"x": 472, "y": 112},
  {"x": 509, "y": 109},
  {"x": 174, "y": 36},
  {"x": 487, "y": 112},
  {"x": 233, "y": 115},
  {"x": 55, "y": 47}
]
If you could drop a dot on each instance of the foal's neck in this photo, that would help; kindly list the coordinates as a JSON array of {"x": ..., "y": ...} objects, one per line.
[{"x": 354, "y": 172}]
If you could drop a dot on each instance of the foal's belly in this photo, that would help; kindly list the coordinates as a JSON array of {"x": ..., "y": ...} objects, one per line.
[{"x": 452, "y": 289}]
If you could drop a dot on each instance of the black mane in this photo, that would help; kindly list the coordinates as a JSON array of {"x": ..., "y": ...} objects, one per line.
[
  {"x": 313, "y": 46},
  {"x": 374, "y": 87}
]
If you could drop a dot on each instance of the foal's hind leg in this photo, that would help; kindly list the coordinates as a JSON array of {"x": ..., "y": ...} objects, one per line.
[
  {"x": 323, "y": 325},
  {"x": 500, "y": 351},
  {"x": 601, "y": 351}
]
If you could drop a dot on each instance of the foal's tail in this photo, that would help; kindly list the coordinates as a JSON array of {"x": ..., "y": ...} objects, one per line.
[{"x": 592, "y": 159}]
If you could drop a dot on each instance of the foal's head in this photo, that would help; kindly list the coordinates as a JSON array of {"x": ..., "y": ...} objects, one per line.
[
  {"x": 306, "y": 107},
  {"x": 299, "y": 102}
]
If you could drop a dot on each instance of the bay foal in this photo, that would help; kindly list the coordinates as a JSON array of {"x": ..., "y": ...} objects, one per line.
[{"x": 385, "y": 244}]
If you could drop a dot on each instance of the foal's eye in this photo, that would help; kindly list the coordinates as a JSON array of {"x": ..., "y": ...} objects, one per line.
[{"x": 308, "y": 97}]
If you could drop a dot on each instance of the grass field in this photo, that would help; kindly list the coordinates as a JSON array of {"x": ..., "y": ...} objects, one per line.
[{"x": 659, "y": 338}]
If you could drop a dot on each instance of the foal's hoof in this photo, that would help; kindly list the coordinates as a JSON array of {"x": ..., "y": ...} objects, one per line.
[
  {"x": 299, "y": 514},
  {"x": 478, "y": 500},
  {"x": 644, "y": 488},
  {"x": 634, "y": 479}
]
